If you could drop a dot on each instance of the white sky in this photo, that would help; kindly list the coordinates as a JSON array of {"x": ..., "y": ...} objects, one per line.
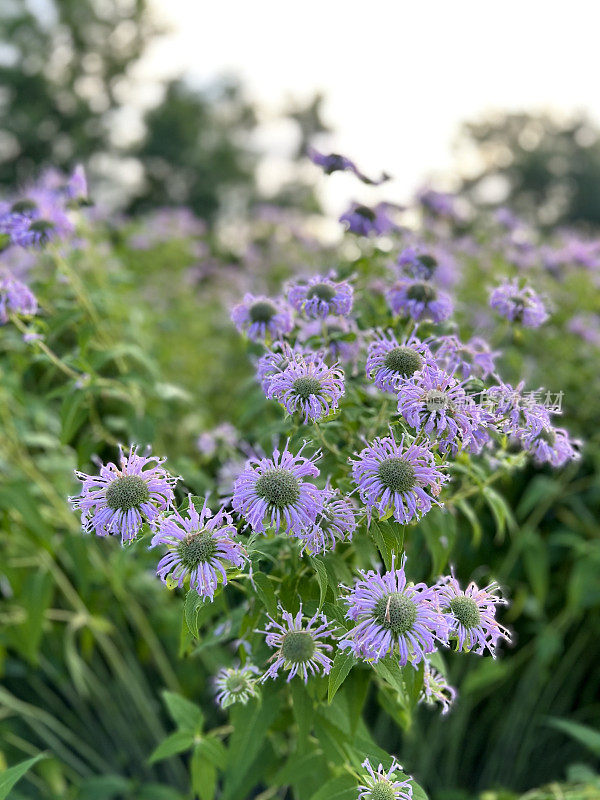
[{"x": 398, "y": 76}]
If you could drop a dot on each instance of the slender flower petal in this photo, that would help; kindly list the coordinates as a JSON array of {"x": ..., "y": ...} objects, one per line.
[
  {"x": 120, "y": 499},
  {"x": 390, "y": 362},
  {"x": 275, "y": 489},
  {"x": 335, "y": 523},
  {"x": 300, "y": 648},
  {"x": 436, "y": 689},
  {"x": 382, "y": 784},
  {"x": 200, "y": 547},
  {"x": 393, "y": 618},
  {"x": 235, "y": 685}
]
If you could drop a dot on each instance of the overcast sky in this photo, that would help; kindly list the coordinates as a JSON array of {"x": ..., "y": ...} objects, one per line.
[{"x": 398, "y": 77}]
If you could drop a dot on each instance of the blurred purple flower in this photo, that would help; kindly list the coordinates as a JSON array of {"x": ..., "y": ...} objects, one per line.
[
  {"x": 519, "y": 304},
  {"x": 419, "y": 300},
  {"x": 321, "y": 296},
  {"x": 262, "y": 317}
]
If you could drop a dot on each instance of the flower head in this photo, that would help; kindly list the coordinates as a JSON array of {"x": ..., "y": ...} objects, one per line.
[
  {"x": 235, "y": 685},
  {"x": 37, "y": 218},
  {"x": 15, "y": 298},
  {"x": 279, "y": 356},
  {"x": 383, "y": 784},
  {"x": 261, "y": 317},
  {"x": 474, "y": 358},
  {"x": 321, "y": 296},
  {"x": 471, "y": 615},
  {"x": 276, "y": 489},
  {"x": 393, "y": 477},
  {"x": 335, "y": 523},
  {"x": 516, "y": 412},
  {"x": 390, "y": 362},
  {"x": 419, "y": 300},
  {"x": 519, "y": 304},
  {"x": 199, "y": 547},
  {"x": 436, "y": 689},
  {"x": 121, "y": 498},
  {"x": 551, "y": 445},
  {"x": 300, "y": 648},
  {"x": 308, "y": 386},
  {"x": 363, "y": 221},
  {"x": 434, "y": 401},
  {"x": 393, "y": 617},
  {"x": 339, "y": 337}
]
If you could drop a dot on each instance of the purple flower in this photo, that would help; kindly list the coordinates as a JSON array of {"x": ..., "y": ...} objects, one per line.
[
  {"x": 77, "y": 188},
  {"x": 419, "y": 300},
  {"x": 321, "y": 296},
  {"x": 223, "y": 434},
  {"x": 587, "y": 326},
  {"x": 339, "y": 336},
  {"x": 389, "y": 362},
  {"x": 308, "y": 386},
  {"x": 300, "y": 649},
  {"x": 474, "y": 358},
  {"x": 197, "y": 547},
  {"x": 334, "y": 162},
  {"x": 439, "y": 204},
  {"x": 471, "y": 615},
  {"x": 393, "y": 617},
  {"x": 424, "y": 263},
  {"x": 120, "y": 499},
  {"x": 434, "y": 401},
  {"x": 436, "y": 689},
  {"x": 364, "y": 221},
  {"x": 235, "y": 685},
  {"x": 383, "y": 784},
  {"x": 277, "y": 358},
  {"x": 261, "y": 317},
  {"x": 551, "y": 445},
  {"x": 515, "y": 413},
  {"x": 276, "y": 489},
  {"x": 15, "y": 298},
  {"x": 335, "y": 523},
  {"x": 519, "y": 304},
  {"x": 37, "y": 219},
  {"x": 393, "y": 478}
]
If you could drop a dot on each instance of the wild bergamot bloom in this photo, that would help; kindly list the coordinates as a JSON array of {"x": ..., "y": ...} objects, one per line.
[
  {"x": 15, "y": 298},
  {"x": 200, "y": 547},
  {"x": 308, "y": 386},
  {"x": 300, "y": 647},
  {"x": 436, "y": 689},
  {"x": 474, "y": 358},
  {"x": 390, "y": 362},
  {"x": 262, "y": 317},
  {"x": 419, "y": 300},
  {"x": 275, "y": 489},
  {"x": 551, "y": 445},
  {"x": 121, "y": 498},
  {"x": 471, "y": 615},
  {"x": 435, "y": 402},
  {"x": 335, "y": 523},
  {"x": 519, "y": 303},
  {"x": 393, "y": 617},
  {"x": 320, "y": 296},
  {"x": 235, "y": 685},
  {"x": 383, "y": 784},
  {"x": 279, "y": 356},
  {"x": 392, "y": 477}
]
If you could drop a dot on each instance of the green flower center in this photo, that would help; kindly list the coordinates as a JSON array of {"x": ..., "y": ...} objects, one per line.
[
  {"x": 403, "y": 360},
  {"x": 41, "y": 226},
  {"x": 466, "y": 611},
  {"x": 436, "y": 400},
  {"x": 548, "y": 436},
  {"x": 396, "y": 612},
  {"x": 397, "y": 474},
  {"x": 306, "y": 386},
  {"x": 196, "y": 548},
  {"x": 23, "y": 206},
  {"x": 262, "y": 311},
  {"x": 279, "y": 487},
  {"x": 321, "y": 290},
  {"x": 422, "y": 292},
  {"x": 297, "y": 646},
  {"x": 236, "y": 683},
  {"x": 382, "y": 790},
  {"x": 430, "y": 264},
  {"x": 127, "y": 492}
]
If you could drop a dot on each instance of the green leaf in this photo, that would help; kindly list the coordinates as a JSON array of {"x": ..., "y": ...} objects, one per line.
[
  {"x": 213, "y": 750},
  {"x": 322, "y": 579},
  {"x": 204, "y": 776},
  {"x": 342, "y": 664},
  {"x": 192, "y": 607},
  {"x": 185, "y": 714},
  {"x": 500, "y": 511},
  {"x": 73, "y": 414},
  {"x": 466, "y": 509},
  {"x": 341, "y": 788},
  {"x": 10, "y": 776},
  {"x": 175, "y": 743},
  {"x": 303, "y": 709},
  {"x": 588, "y": 737},
  {"x": 391, "y": 672},
  {"x": 266, "y": 592}
]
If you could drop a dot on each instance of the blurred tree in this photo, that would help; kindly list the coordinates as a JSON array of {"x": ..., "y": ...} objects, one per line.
[{"x": 543, "y": 167}]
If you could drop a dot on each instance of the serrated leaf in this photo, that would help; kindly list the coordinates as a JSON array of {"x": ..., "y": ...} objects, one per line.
[
  {"x": 266, "y": 592},
  {"x": 185, "y": 714},
  {"x": 193, "y": 606},
  {"x": 342, "y": 664},
  {"x": 176, "y": 743},
  {"x": 321, "y": 572}
]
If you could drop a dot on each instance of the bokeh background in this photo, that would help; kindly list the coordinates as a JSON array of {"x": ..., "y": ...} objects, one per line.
[{"x": 212, "y": 107}]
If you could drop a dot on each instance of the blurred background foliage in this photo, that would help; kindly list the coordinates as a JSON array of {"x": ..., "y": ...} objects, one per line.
[{"x": 89, "y": 637}]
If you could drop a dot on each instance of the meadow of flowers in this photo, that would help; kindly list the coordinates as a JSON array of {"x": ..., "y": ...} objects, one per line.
[{"x": 339, "y": 495}]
